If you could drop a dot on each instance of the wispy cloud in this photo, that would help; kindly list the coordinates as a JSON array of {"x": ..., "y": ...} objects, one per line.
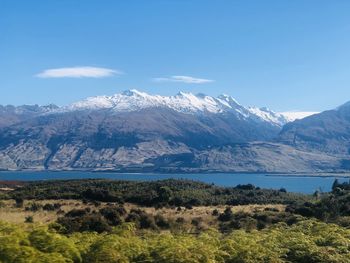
[
  {"x": 78, "y": 72},
  {"x": 184, "y": 79}
]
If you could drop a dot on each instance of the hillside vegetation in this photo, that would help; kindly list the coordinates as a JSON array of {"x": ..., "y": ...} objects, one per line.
[
  {"x": 156, "y": 193},
  {"x": 308, "y": 241},
  {"x": 170, "y": 221}
]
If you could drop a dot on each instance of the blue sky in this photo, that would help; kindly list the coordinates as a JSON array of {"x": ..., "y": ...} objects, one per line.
[{"x": 287, "y": 55}]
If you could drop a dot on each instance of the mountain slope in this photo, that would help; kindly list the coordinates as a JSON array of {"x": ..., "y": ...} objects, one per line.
[
  {"x": 105, "y": 129},
  {"x": 10, "y": 114},
  {"x": 134, "y": 131},
  {"x": 328, "y": 131}
]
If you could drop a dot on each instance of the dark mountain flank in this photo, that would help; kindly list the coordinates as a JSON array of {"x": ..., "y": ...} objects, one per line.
[{"x": 327, "y": 132}]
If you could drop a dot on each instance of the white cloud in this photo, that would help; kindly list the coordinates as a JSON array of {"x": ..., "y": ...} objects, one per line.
[
  {"x": 78, "y": 72},
  {"x": 184, "y": 79}
]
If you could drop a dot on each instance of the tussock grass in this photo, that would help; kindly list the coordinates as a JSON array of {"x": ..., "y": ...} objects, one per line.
[{"x": 12, "y": 214}]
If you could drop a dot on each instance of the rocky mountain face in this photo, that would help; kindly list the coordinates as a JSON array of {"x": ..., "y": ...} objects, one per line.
[{"x": 135, "y": 131}]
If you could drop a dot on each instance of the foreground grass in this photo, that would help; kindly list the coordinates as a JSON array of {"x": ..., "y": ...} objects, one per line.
[{"x": 307, "y": 241}]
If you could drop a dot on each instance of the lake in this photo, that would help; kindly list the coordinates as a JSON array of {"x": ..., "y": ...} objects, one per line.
[{"x": 301, "y": 183}]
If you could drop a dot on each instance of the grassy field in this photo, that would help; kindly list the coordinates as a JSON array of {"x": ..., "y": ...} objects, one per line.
[{"x": 12, "y": 214}]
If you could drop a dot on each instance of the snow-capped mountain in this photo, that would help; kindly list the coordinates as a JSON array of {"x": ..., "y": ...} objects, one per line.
[
  {"x": 136, "y": 131},
  {"x": 134, "y": 100}
]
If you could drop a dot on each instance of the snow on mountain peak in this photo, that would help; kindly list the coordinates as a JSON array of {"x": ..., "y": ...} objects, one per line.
[
  {"x": 269, "y": 115},
  {"x": 186, "y": 102},
  {"x": 227, "y": 98},
  {"x": 134, "y": 92}
]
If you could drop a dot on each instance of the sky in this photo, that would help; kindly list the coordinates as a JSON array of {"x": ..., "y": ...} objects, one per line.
[{"x": 286, "y": 55}]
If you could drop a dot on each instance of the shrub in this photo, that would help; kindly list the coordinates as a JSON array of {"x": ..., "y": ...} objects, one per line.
[
  {"x": 113, "y": 214},
  {"x": 29, "y": 219},
  {"x": 161, "y": 221},
  {"x": 51, "y": 207},
  {"x": 81, "y": 220},
  {"x": 19, "y": 202},
  {"x": 33, "y": 207},
  {"x": 215, "y": 212},
  {"x": 227, "y": 215}
]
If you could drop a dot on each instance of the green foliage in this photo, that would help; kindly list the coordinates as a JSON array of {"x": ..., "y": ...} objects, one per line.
[
  {"x": 49, "y": 242},
  {"x": 185, "y": 248},
  {"x": 17, "y": 245},
  {"x": 304, "y": 242},
  {"x": 329, "y": 207},
  {"x": 255, "y": 220},
  {"x": 157, "y": 193},
  {"x": 80, "y": 221},
  {"x": 251, "y": 247},
  {"x": 108, "y": 233},
  {"x": 114, "y": 248}
]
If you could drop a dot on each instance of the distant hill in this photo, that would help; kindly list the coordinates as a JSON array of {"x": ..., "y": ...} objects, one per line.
[
  {"x": 327, "y": 132},
  {"x": 10, "y": 114}
]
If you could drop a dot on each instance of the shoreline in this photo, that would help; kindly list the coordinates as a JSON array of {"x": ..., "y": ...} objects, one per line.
[{"x": 277, "y": 174}]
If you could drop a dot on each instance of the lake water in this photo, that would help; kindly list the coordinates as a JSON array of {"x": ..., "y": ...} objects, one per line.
[{"x": 300, "y": 183}]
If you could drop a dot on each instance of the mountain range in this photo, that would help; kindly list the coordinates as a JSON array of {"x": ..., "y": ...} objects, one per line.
[{"x": 136, "y": 131}]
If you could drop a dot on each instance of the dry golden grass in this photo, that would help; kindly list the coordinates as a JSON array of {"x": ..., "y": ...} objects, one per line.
[
  {"x": 10, "y": 213},
  {"x": 204, "y": 212}
]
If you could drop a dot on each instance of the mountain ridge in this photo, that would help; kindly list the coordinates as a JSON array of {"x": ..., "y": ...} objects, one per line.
[
  {"x": 185, "y": 102},
  {"x": 135, "y": 131},
  {"x": 133, "y": 100}
]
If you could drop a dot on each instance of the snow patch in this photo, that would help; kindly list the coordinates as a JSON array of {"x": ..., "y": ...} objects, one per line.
[{"x": 297, "y": 115}]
